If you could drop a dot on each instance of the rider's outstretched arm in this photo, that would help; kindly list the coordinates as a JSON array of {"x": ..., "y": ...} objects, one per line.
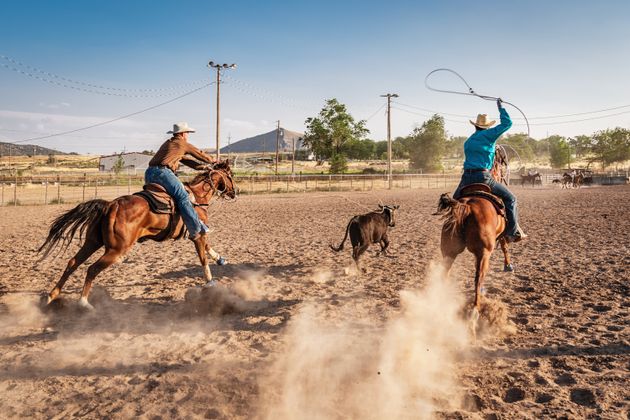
[
  {"x": 506, "y": 123},
  {"x": 193, "y": 151}
]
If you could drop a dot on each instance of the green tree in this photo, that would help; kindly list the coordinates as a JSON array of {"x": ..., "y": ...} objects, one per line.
[
  {"x": 359, "y": 149},
  {"x": 327, "y": 133},
  {"x": 612, "y": 145},
  {"x": 522, "y": 144},
  {"x": 581, "y": 145},
  {"x": 427, "y": 144},
  {"x": 338, "y": 164},
  {"x": 559, "y": 152},
  {"x": 118, "y": 165}
]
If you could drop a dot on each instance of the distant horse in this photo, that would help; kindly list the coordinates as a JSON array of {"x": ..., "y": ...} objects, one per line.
[
  {"x": 531, "y": 177},
  {"x": 567, "y": 180},
  {"x": 119, "y": 224},
  {"x": 578, "y": 180},
  {"x": 474, "y": 222}
]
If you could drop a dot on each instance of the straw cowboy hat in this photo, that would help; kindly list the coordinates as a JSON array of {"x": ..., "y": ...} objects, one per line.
[
  {"x": 181, "y": 127},
  {"x": 482, "y": 122}
]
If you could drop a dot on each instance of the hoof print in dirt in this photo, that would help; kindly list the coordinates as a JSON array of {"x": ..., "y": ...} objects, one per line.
[
  {"x": 514, "y": 394},
  {"x": 583, "y": 396}
]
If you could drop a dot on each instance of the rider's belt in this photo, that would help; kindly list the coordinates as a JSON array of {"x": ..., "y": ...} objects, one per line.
[
  {"x": 476, "y": 170},
  {"x": 161, "y": 167}
]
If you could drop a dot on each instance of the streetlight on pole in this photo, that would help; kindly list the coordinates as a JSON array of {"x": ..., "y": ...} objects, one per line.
[
  {"x": 389, "y": 97},
  {"x": 219, "y": 67}
]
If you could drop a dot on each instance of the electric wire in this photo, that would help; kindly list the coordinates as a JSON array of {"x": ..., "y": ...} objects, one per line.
[
  {"x": 89, "y": 85},
  {"x": 114, "y": 119}
]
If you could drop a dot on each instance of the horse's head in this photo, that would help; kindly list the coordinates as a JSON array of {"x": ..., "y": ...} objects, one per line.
[{"x": 220, "y": 175}]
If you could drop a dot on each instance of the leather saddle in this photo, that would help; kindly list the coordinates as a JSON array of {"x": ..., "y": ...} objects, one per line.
[
  {"x": 483, "y": 191},
  {"x": 159, "y": 200}
]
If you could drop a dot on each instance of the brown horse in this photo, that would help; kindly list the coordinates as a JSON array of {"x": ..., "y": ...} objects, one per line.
[
  {"x": 473, "y": 222},
  {"x": 117, "y": 225},
  {"x": 531, "y": 177}
]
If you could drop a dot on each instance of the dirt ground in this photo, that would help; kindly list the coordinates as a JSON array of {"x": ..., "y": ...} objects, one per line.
[{"x": 289, "y": 334}]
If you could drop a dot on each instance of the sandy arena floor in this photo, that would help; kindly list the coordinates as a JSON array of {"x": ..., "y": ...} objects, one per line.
[{"x": 290, "y": 335}]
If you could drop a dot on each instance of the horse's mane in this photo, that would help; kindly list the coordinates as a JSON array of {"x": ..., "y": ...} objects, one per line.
[{"x": 205, "y": 174}]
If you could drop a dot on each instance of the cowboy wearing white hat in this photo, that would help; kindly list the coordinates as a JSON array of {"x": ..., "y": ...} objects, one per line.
[
  {"x": 162, "y": 169},
  {"x": 479, "y": 150}
]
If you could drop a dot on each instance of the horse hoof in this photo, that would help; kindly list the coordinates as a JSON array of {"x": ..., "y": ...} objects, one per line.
[
  {"x": 221, "y": 261},
  {"x": 474, "y": 316},
  {"x": 83, "y": 303},
  {"x": 508, "y": 268},
  {"x": 211, "y": 283},
  {"x": 483, "y": 291}
]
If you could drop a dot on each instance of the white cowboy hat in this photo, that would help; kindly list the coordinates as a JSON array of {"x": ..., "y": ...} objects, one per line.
[
  {"x": 181, "y": 127},
  {"x": 481, "y": 121}
]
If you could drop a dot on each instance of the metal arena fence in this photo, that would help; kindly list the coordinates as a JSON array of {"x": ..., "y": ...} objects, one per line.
[{"x": 38, "y": 190}]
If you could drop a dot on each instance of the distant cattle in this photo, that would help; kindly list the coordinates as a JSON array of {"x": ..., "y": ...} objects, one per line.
[{"x": 367, "y": 229}]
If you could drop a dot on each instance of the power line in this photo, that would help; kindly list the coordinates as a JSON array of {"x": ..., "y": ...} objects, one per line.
[
  {"x": 90, "y": 85},
  {"x": 376, "y": 112},
  {"x": 115, "y": 119}
]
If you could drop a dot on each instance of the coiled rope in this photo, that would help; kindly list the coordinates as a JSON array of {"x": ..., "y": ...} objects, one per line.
[{"x": 471, "y": 92}]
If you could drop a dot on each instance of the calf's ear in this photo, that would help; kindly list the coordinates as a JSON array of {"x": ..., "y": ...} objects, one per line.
[
  {"x": 396, "y": 207},
  {"x": 380, "y": 206}
]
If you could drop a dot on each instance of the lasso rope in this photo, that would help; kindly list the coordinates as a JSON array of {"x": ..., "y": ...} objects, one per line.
[{"x": 471, "y": 92}]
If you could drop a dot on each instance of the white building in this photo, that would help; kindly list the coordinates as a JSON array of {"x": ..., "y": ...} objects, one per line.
[{"x": 131, "y": 162}]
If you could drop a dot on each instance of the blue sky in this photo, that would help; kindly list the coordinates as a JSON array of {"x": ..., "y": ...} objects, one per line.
[{"x": 549, "y": 58}]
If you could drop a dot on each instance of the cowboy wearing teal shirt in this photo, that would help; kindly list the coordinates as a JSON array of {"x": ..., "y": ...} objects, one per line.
[{"x": 479, "y": 152}]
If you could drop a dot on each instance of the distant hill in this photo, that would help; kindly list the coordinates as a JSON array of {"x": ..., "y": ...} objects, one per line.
[
  {"x": 26, "y": 150},
  {"x": 266, "y": 143}
]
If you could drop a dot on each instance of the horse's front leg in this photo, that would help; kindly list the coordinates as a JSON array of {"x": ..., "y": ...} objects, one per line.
[
  {"x": 507, "y": 265},
  {"x": 200, "y": 247}
]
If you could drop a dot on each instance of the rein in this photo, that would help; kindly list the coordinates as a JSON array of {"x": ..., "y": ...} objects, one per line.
[
  {"x": 470, "y": 92},
  {"x": 213, "y": 187}
]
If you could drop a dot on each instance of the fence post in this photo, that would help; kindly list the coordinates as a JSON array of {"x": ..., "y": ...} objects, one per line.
[
  {"x": 15, "y": 190},
  {"x": 84, "y": 179},
  {"x": 128, "y": 183},
  {"x": 96, "y": 187},
  {"x": 251, "y": 183},
  {"x": 287, "y": 183},
  {"x": 46, "y": 191},
  {"x": 2, "y": 199},
  {"x": 329, "y": 181},
  {"x": 58, "y": 189}
]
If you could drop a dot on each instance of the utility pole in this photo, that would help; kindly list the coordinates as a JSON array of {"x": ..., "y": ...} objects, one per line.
[
  {"x": 219, "y": 67},
  {"x": 293, "y": 158},
  {"x": 389, "y": 97},
  {"x": 277, "y": 144}
]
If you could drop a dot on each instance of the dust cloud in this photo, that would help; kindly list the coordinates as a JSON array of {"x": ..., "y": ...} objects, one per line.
[{"x": 353, "y": 369}]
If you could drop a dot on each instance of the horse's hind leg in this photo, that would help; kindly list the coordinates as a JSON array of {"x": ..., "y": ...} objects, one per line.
[
  {"x": 482, "y": 264},
  {"x": 88, "y": 248},
  {"x": 507, "y": 265},
  {"x": 110, "y": 256}
]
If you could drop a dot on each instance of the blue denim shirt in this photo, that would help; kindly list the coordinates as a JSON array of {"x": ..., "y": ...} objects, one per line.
[{"x": 479, "y": 148}]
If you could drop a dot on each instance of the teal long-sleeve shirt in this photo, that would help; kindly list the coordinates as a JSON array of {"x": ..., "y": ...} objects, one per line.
[{"x": 479, "y": 148}]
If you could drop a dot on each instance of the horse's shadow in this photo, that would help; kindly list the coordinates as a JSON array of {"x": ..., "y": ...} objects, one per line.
[
  {"x": 235, "y": 271},
  {"x": 213, "y": 309}
]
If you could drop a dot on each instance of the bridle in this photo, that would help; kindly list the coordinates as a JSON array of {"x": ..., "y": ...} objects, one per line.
[{"x": 211, "y": 186}]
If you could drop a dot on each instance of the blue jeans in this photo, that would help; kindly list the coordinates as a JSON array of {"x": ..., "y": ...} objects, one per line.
[
  {"x": 497, "y": 189},
  {"x": 166, "y": 178}
]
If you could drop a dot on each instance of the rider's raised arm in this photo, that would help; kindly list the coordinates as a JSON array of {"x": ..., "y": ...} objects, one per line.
[
  {"x": 204, "y": 157},
  {"x": 495, "y": 132}
]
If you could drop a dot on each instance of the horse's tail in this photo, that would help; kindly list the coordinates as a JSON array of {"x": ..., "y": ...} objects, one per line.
[
  {"x": 453, "y": 213},
  {"x": 340, "y": 247},
  {"x": 80, "y": 218}
]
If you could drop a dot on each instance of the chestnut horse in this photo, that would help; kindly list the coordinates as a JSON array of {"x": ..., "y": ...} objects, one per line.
[
  {"x": 117, "y": 225},
  {"x": 473, "y": 223}
]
